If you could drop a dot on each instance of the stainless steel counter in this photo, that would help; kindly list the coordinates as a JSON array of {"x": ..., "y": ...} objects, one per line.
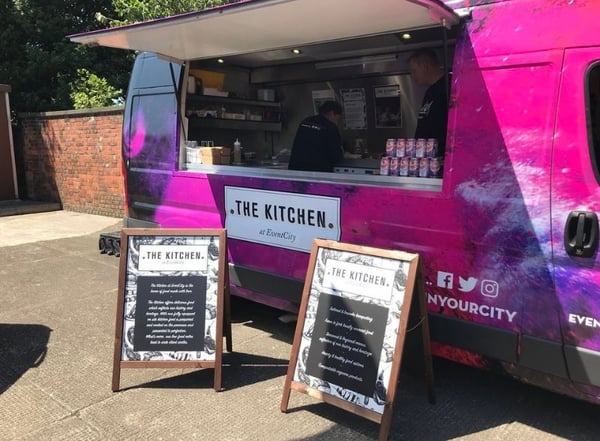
[
  {"x": 358, "y": 166},
  {"x": 274, "y": 170}
]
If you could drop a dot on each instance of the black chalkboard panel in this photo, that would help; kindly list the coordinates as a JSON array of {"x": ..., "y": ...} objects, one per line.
[
  {"x": 346, "y": 343},
  {"x": 352, "y": 325},
  {"x": 170, "y": 313},
  {"x": 171, "y": 304}
]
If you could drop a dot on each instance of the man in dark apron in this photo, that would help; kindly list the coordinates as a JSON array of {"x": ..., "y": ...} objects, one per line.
[
  {"x": 318, "y": 144},
  {"x": 432, "y": 119}
]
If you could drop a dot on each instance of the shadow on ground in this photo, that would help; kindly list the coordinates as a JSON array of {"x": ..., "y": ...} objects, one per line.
[
  {"x": 22, "y": 347},
  {"x": 239, "y": 369},
  {"x": 469, "y": 402},
  {"x": 263, "y": 318}
]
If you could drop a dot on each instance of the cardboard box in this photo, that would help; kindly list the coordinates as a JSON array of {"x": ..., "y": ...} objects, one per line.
[
  {"x": 231, "y": 115},
  {"x": 211, "y": 91},
  {"x": 215, "y": 155},
  {"x": 210, "y": 79},
  {"x": 192, "y": 155}
]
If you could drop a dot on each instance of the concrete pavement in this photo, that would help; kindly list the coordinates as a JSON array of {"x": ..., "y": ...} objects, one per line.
[
  {"x": 57, "y": 324},
  {"x": 35, "y": 227}
]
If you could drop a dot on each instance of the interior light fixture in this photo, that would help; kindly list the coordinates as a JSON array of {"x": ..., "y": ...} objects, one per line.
[
  {"x": 406, "y": 36},
  {"x": 296, "y": 51},
  {"x": 220, "y": 61},
  {"x": 355, "y": 61}
]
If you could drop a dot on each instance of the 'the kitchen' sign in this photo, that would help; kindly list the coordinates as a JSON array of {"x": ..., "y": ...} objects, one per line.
[{"x": 281, "y": 219}]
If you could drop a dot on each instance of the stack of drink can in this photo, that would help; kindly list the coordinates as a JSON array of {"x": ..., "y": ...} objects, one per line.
[{"x": 411, "y": 157}]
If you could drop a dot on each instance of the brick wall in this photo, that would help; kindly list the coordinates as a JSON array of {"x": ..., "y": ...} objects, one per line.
[{"x": 72, "y": 157}]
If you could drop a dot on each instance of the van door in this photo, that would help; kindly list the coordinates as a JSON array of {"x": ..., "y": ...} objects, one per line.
[
  {"x": 575, "y": 208},
  {"x": 150, "y": 136}
]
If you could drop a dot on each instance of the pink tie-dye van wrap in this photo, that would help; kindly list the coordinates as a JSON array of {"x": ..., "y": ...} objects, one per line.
[{"x": 517, "y": 163}]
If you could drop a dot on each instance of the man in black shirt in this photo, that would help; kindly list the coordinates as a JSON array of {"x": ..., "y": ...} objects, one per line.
[
  {"x": 318, "y": 144},
  {"x": 432, "y": 119}
]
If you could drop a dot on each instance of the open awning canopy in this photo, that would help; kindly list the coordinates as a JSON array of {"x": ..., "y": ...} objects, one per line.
[{"x": 264, "y": 25}]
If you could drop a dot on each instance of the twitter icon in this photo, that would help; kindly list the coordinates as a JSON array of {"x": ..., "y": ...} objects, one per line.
[{"x": 466, "y": 285}]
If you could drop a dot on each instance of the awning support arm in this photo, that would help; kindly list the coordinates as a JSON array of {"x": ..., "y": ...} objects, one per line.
[
  {"x": 178, "y": 99},
  {"x": 446, "y": 58}
]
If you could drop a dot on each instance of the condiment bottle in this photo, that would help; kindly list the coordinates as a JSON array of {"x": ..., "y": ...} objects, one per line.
[{"x": 237, "y": 151}]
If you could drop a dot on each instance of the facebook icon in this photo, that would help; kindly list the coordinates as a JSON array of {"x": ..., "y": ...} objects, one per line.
[{"x": 445, "y": 280}]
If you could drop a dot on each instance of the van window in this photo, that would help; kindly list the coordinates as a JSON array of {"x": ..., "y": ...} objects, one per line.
[
  {"x": 152, "y": 127},
  {"x": 593, "y": 96}
]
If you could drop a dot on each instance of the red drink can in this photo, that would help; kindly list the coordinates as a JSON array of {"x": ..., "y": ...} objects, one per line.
[
  {"x": 384, "y": 167},
  {"x": 400, "y": 147},
  {"x": 403, "y": 168},
  {"x": 390, "y": 147},
  {"x": 423, "y": 167},
  {"x": 411, "y": 145},
  {"x": 435, "y": 167},
  {"x": 394, "y": 166},
  {"x": 431, "y": 148},
  {"x": 420, "y": 148},
  {"x": 413, "y": 167}
]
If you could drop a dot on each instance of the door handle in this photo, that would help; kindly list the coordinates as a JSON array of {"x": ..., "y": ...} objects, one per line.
[{"x": 581, "y": 233}]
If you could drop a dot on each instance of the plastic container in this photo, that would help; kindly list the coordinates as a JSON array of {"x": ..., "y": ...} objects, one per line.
[{"x": 266, "y": 94}]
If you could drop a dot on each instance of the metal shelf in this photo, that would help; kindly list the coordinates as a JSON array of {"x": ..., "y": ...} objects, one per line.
[
  {"x": 227, "y": 100},
  {"x": 235, "y": 124}
]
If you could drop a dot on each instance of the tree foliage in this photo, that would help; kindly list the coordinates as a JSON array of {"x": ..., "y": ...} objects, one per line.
[
  {"x": 132, "y": 11},
  {"x": 44, "y": 68},
  {"x": 89, "y": 90},
  {"x": 40, "y": 63}
]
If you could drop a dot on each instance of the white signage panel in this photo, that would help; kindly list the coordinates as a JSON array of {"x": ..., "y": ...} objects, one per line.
[
  {"x": 281, "y": 219},
  {"x": 173, "y": 258},
  {"x": 359, "y": 279}
]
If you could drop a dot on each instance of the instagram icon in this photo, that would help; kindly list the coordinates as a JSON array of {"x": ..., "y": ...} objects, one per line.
[{"x": 489, "y": 288}]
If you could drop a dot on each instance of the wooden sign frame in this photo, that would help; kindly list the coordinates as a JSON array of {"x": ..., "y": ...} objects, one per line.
[
  {"x": 351, "y": 328},
  {"x": 173, "y": 284}
]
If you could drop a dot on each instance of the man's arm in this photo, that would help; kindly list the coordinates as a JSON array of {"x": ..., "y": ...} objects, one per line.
[{"x": 334, "y": 145}]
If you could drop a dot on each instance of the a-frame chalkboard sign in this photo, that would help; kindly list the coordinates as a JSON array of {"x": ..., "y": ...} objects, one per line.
[
  {"x": 352, "y": 326},
  {"x": 173, "y": 305}
]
